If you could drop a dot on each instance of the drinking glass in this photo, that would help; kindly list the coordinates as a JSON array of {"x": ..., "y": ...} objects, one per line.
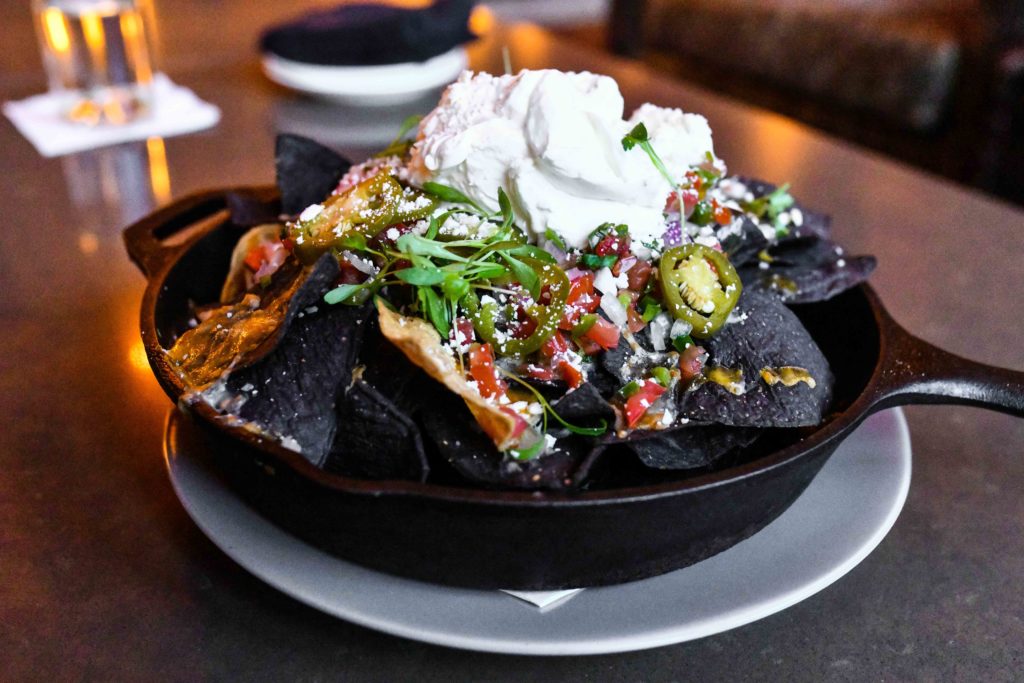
[{"x": 98, "y": 57}]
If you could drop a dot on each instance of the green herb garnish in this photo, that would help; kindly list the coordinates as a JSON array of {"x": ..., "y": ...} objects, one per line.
[
  {"x": 682, "y": 343},
  {"x": 399, "y": 146},
  {"x": 595, "y": 262},
  {"x": 555, "y": 239},
  {"x": 638, "y": 137}
]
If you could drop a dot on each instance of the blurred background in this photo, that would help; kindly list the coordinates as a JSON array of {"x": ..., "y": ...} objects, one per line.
[{"x": 936, "y": 84}]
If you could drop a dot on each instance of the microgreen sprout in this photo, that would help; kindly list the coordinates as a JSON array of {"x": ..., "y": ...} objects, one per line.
[
  {"x": 399, "y": 146},
  {"x": 638, "y": 137}
]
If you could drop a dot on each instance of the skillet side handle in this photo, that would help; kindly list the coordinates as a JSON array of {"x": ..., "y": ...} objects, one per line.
[
  {"x": 916, "y": 372},
  {"x": 144, "y": 239}
]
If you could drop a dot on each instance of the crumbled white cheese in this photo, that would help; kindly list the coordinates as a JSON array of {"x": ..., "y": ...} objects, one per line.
[{"x": 311, "y": 212}]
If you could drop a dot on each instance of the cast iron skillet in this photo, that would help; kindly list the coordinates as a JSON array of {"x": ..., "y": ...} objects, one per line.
[{"x": 503, "y": 539}]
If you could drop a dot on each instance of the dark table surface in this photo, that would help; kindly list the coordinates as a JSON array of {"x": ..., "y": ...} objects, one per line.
[{"x": 103, "y": 576}]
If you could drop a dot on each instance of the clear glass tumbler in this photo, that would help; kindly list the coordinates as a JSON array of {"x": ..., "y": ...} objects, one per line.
[{"x": 98, "y": 57}]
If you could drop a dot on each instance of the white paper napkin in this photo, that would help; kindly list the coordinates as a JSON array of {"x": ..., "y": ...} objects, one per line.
[
  {"x": 176, "y": 110},
  {"x": 544, "y": 599}
]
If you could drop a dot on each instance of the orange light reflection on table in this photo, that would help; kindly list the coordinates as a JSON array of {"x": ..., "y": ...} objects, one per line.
[{"x": 159, "y": 174}]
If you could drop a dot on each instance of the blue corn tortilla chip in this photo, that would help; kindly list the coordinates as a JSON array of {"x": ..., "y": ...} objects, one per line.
[
  {"x": 247, "y": 211},
  {"x": 744, "y": 247},
  {"x": 291, "y": 393},
  {"x": 471, "y": 453},
  {"x": 287, "y": 385},
  {"x": 375, "y": 439},
  {"x": 808, "y": 270},
  {"x": 584, "y": 407},
  {"x": 766, "y": 335},
  {"x": 690, "y": 447},
  {"x": 306, "y": 171},
  {"x": 367, "y": 34}
]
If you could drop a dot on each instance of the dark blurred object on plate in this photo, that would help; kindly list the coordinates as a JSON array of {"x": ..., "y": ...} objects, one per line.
[
  {"x": 936, "y": 83},
  {"x": 368, "y": 34}
]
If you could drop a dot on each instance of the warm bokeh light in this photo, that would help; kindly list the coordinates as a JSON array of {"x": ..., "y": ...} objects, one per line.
[
  {"x": 481, "y": 21},
  {"x": 133, "y": 28},
  {"x": 159, "y": 174},
  {"x": 55, "y": 30},
  {"x": 88, "y": 243},
  {"x": 95, "y": 39}
]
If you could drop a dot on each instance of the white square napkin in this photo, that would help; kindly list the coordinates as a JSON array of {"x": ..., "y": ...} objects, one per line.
[
  {"x": 544, "y": 599},
  {"x": 176, "y": 110}
]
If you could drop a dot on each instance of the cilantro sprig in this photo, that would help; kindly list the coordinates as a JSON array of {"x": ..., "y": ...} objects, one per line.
[{"x": 638, "y": 137}]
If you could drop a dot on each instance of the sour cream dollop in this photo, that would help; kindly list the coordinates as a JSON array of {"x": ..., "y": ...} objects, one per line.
[{"x": 553, "y": 141}]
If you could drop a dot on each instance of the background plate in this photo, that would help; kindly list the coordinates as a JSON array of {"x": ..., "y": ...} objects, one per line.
[
  {"x": 367, "y": 85},
  {"x": 836, "y": 522}
]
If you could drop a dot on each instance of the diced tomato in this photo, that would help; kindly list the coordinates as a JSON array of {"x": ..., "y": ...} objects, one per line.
[
  {"x": 644, "y": 398},
  {"x": 523, "y": 327},
  {"x": 603, "y": 333},
  {"x": 349, "y": 275},
  {"x": 638, "y": 275},
  {"x": 554, "y": 345},
  {"x": 539, "y": 372},
  {"x": 613, "y": 243},
  {"x": 694, "y": 180},
  {"x": 634, "y": 321},
  {"x": 581, "y": 300},
  {"x": 254, "y": 259},
  {"x": 462, "y": 332},
  {"x": 691, "y": 363},
  {"x": 482, "y": 370},
  {"x": 588, "y": 346},
  {"x": 690, "y": 198},
  {"x": 722, "y": 214},
  {"x": 572, "y": 375},
  {"x": 265, "y": 258}
]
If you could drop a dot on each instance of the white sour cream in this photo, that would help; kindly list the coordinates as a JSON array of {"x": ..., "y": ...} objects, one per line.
[{"x": 552, "y": 141}]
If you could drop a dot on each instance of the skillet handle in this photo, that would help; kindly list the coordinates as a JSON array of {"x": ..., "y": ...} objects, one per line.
[
  {"x": 145, "y": 238},
  {"x": 916, "y": 372}
]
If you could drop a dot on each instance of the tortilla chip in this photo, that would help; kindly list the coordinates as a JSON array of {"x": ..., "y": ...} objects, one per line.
[
  {"x": 421, "y": 344},
  {"x": 808, "y": 270},
  {"x": 690, "y": 447},
  {"x": 744, "y": 247},
  {"x": 290, "y": 394},
  {"x": 583, "y": 406},
  {"x": 472, "y": 455},
  {"x": 375, "y": 440},
  {"x": 247, "y": 211},
  {"x": 767, "y": 335},
  {"x": 307, "y": 172}
]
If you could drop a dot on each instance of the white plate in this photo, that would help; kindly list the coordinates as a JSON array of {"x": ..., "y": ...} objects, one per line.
[
  {"x": 367, "y": 85},
  {"x": 839, "y": 519}
]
